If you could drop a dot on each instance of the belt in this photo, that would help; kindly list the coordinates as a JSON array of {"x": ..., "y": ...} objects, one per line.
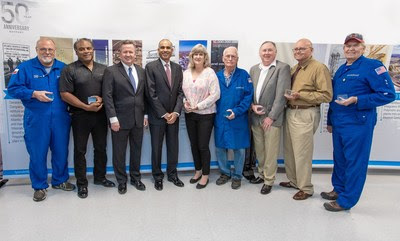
[{"x": 302, "y": 106}]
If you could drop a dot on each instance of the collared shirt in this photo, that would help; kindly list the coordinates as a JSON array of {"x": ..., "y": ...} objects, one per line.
[
  {"x": 313, "y": 83},
  {"x": 82, "y": 82},
  {"x": 134, "y": 73},
  {"x": 263, "y": 74},
  {"x": 164, "y": 63},
  {"x": 229, "y": 77}
]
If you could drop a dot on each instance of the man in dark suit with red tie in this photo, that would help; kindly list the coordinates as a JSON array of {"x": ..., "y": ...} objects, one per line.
[
  {"x": 165, "y": 96},
  {"x": 123, "y": 97}
]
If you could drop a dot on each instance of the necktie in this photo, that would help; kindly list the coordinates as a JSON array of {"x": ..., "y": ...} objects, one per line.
[
  {"x": 168, "y": 72},
  {"x": 295, "y": 73},
  {"x": 132, "y": 79}
]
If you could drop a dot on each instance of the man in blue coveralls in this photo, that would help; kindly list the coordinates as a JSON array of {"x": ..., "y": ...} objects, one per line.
[
  {"x": 359, "y": 86},
  {"x": 231, "y": 127},
  {"x": 46, "y": 120}
]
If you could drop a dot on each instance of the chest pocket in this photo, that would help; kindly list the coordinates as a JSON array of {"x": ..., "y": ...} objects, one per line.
[
  {"x": 239, "y": 92},
  {"x": 40, "y": 82}
]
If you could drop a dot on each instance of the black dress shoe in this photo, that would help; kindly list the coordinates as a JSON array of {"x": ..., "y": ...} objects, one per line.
[
  {"x": 122, "y": 188},
  {"x": 3, "y": 182},
  {"x": 199, "y": 186},
  {"x": 194, "y": 180},
  {"x": 176, "y": 181},
  {"x": 249, "y": 177},
  {"x": 158, "y": 185},
  {"x": 138, "y": 184},
  {"x": 266, "y": 189},
  {"x": 257, "y": 180},
  {"x": 82, "y": 192},
  {"x": 105, "y": 182}
]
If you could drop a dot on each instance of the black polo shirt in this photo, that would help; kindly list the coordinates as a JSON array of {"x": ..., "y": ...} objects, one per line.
[{"x": 78, "y": 80}]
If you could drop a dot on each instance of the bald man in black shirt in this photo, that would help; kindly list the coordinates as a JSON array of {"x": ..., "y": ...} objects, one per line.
[{"x": 81, "y": 87}]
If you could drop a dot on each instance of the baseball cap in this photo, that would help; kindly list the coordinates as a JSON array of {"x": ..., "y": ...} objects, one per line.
[{"x": 354, "y": 36}]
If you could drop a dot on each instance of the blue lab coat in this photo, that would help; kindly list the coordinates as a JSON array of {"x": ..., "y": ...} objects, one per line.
[{"x": 233, "y": 134}]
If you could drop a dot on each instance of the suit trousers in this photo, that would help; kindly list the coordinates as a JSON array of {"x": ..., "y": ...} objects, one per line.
[
  {"x": 298, "y": 132},
  {"x": 84, "y": 124},
  {"x": 199, "y": 128},
  {"x": 119, "y": 144},
  {"x": 157, "y": 133},
  {"x": 266, "y": 144}
]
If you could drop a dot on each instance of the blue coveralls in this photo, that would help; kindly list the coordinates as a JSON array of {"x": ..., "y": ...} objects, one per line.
[
  {"x": 353, "y": 125},
  {"x": 46, "y": 124},
  {"x": 233, "y": 134}
]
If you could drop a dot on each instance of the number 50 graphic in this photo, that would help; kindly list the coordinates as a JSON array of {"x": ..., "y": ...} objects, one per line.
[{"x": 19, "y": 12}]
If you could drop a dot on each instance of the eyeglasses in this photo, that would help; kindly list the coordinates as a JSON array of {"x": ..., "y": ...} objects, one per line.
[
  {"x": 300, "y": 49},
  {"x": 44, "y": 50}
]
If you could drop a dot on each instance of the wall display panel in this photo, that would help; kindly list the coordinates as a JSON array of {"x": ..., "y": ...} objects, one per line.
[{"x": 216, "y": 24}]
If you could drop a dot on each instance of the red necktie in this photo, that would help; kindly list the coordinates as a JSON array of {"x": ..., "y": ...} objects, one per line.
[{"x": 168, "y": 71}]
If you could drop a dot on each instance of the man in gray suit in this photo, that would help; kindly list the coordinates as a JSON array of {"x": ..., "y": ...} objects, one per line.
[
  {"x": 165, "y": 97},
  {"x": 123, "y": 97},
  {"x": 270, "y": 80}
]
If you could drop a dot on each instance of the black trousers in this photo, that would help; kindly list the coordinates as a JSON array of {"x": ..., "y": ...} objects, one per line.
[
  {"x": 157, "y": 133},
  {"x": 199, "y": 128},
  {"x": 119, "y": 144},
  {"x": 250, "y": 157},
  {"x": 83, "y": 124}
]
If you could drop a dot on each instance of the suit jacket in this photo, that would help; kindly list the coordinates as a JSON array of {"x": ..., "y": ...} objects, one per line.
[
  {"x": 119, "y": 97},
  {"x": 163, "y": 98},
  {"x": 272, "y": 92}
]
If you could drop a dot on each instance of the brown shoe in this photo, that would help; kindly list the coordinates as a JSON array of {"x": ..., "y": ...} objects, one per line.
[
  {"x": 332, "y": 195},
  {"x": 333, "y": 207},
  {"x": 286, "y": 184},
  {"x": 300, "y": 195}
]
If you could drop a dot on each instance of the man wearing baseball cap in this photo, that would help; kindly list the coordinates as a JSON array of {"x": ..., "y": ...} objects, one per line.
[{"x": 359, "y": 86}]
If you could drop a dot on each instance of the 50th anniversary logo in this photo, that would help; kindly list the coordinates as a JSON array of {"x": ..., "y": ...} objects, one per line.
[{"x": 15, "y": 16}]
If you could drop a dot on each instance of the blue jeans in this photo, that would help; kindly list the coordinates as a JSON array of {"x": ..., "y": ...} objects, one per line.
[{"x": 225, "y": 166}]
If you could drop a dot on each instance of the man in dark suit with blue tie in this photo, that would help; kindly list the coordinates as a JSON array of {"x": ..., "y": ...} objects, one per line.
[
  {"x": 123, "y": 97},
  {"x": 165, "y": 97}
]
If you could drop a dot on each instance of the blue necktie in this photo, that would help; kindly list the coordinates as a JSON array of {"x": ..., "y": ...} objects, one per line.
[{"x": 132, "y": 79}]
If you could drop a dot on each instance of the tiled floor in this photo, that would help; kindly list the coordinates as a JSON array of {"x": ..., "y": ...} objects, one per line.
[{"x": 214, "y": 213}]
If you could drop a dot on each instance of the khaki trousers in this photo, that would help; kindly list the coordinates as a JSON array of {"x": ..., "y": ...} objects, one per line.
[
  {"x": 266, "y": 144},
  {"x": 300, "y": 126}
]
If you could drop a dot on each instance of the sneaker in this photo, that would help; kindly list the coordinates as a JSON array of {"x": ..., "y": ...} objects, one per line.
[
  {"x": 39, "y": 195},
  {"x": 222, "y": 179},
  {"x": 236, "y": 183},
  {"x": 65, "y": 186}
]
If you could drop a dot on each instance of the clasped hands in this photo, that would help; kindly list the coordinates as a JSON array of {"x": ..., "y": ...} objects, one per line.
[
  {"x": 188, "y": 106},
  {"x": 171, "y": 118}
]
